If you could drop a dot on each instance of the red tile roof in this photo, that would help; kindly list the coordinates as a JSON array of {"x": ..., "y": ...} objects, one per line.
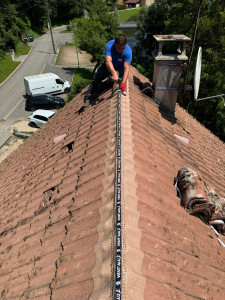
[{"x": 58, "y": 212}]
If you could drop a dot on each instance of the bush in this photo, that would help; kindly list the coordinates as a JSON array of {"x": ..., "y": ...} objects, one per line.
[
  {"x": 76, "y": 89},
  {"x": 81, "y": 78},
  {"x": 121, "y": 6},
  {"x": 134, "y": 18},
  {"x": 2, "y": 54}
]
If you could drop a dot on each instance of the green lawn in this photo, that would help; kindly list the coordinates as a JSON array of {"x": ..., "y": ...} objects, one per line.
[
  {"x": 81, "y": 78},
  {"x": 126, "y": 14},
  {"x": 21, "y": 49},
  {"x": 7, "y": 66}
]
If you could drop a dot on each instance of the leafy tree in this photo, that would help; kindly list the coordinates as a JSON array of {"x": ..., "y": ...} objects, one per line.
[
  {"x": 94, "y": 31},
  {"x": 67, "y": 10},
  {"x": 111, "y": 2},
  {"x": 33, "y": 12},
  {"x": 11, "y": 26},
  {"x": 16, "y": 16},
  {"x": 212, "y": 20},
  {"x": 151, "y": 21},
  {"x": 59, "y": 10},
  {"x": 179, "y": 17}
]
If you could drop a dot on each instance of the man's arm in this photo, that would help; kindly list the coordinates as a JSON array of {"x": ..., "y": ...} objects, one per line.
[
  {"x": 110, "y": 67},
  {"x": 126, "y": 71}
]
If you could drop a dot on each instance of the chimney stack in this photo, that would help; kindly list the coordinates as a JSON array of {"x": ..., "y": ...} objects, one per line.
[{"x": 168, "y": 66}]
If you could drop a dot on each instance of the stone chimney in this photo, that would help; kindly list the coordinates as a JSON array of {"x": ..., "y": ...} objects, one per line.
[{"x": 168, "y": 65}]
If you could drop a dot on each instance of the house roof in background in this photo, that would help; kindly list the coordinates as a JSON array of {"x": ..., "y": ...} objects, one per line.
[
  {"x": 133, "y": 1},
  {"x": 57, "y": 205}
]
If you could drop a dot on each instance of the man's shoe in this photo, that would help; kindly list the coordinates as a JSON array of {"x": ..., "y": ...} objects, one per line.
[
  {"x": 87, "y": 98},
  {"x": 86, "y": 102}
]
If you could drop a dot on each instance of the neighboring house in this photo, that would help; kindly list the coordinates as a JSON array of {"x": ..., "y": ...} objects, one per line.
[
  {"x": 137, "y": 3},
  {"x": 57, "y": 205},
  {"x": 133, "y": 3}
]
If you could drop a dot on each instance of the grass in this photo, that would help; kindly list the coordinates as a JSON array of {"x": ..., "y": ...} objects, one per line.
[
  {"x": 58, "y": 60},
  {"x": 27, "y": 132},
  {"x": 7, "y": 66},
  {"x": 125, "y": 14},
  {"x": 81, "y": 78},
  {"x": 67, "y": 31},
  {"x": 21, "y": 49}
]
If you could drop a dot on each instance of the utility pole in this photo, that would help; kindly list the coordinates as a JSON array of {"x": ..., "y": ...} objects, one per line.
[
  {"x": 191, "y": 52},
  {"x": 49, "y": 23}
]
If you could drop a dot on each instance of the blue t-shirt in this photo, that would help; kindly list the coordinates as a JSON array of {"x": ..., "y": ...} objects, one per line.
[{"x": 118, "y": 59}]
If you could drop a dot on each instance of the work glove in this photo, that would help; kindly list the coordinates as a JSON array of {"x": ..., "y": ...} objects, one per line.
[{"x": 122, "y": 86}]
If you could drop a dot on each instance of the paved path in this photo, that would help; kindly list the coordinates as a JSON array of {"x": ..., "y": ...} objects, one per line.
[{"x": 70, "y": 56}]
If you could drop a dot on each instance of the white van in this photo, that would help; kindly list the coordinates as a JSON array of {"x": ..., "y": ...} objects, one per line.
[{"x": 44, "y": 84}]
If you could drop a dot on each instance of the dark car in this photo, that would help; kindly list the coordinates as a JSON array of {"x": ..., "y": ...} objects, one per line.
[{"x": 44, "y": 101}]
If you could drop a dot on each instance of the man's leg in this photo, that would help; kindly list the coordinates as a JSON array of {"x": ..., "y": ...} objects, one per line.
[
  {"x": 101, "y": 74},
  {"x": 121, "y": 71}
]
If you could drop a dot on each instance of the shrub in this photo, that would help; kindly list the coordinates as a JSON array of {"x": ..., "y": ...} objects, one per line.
[
  {"x": 121, "y": 6},
  {"x": 81, "y": 78},
  {"x": 76, "y": 89}
]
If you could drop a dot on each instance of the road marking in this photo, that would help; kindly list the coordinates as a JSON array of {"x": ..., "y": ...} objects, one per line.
[
  {"x": 43, "y": 69},
  {"x": 13, "y": 109}
]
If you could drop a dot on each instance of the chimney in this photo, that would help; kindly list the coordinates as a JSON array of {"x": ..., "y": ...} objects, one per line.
[{"x": 168, "y": 64}]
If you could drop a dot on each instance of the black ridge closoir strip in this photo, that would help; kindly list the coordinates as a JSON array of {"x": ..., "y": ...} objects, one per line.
[{"x": 118, "y": 287}]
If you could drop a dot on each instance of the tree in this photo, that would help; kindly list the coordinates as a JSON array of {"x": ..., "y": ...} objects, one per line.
[
  {"x": 60, "y": 11},
  {"x": 17, "y": 16},
  {"x": 151, "y": 21},
  {"x": 179, "y": 17},
  {"x": 212, "y": 20},
  {"x": 68, "y": 10},
  {"x": 111, "y": 2},
  {"x": 93, "y": 32},
  {"x": 11, "y": 26}
]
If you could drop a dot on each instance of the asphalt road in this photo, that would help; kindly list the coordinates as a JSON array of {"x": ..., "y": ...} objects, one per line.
[{"x": 39, "y": 60}]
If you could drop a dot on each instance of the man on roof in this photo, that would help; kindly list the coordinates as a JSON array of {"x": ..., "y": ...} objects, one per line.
[{"x": 118, "y": 56}]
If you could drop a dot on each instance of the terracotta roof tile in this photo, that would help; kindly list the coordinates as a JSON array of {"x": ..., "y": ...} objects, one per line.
[{"x": 57, "y": 231}]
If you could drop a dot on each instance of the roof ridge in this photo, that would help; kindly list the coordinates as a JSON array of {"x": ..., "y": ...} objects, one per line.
[{"x": 132, "y": 255}]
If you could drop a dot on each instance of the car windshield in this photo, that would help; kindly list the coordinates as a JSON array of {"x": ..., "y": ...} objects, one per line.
[
  {"x": 51, "y": 116},
  {"x": 51, "y": 97}
]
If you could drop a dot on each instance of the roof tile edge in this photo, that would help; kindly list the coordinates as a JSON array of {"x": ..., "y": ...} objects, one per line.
[{"x": 103, "y": 272}]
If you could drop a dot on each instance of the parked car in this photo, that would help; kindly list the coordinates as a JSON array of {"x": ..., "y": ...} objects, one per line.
[
  {"x": 40, "y": 117},
  {"x": 45, "y": 101}
]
